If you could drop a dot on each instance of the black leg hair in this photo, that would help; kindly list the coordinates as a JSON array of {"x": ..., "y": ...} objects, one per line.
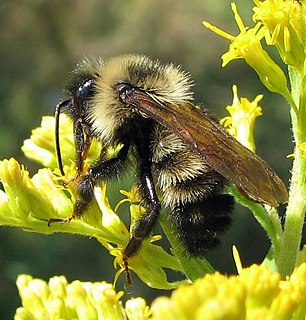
[
  {"x": 102, "y": 170},
  {"x": 144, "y": 225},
  {"x": 82, "y": 140}
]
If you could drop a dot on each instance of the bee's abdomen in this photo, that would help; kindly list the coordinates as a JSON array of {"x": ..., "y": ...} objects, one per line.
[
  {"x": 193, "y": 192},
  {"x": 200, "y": 223}
]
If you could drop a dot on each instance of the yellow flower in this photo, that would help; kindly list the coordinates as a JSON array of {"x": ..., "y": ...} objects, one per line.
[
  {"x": 257, "y": 293},
  {"x": 213, "y": 297},
  {"x": 133, "y": 198},
  {"x": 241, "y": 121},
  {"x": 247, "y": 45},
  {"x": 291, "y": 301},
  {"x": 60, "y": 300},
  {"x": 40, "y": 147},
  {"x": 261, "y": 284},
  {"x": 137, "y": 309},
  {"x": 284, "y": 27},
  {"x": 28, "y": 200}
]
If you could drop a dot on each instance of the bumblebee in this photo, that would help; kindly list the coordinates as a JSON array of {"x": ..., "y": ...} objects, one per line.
[{"x": 184, "y": 158}]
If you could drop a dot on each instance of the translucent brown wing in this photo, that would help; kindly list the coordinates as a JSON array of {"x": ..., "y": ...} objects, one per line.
[{"x": 216, "y": 146}]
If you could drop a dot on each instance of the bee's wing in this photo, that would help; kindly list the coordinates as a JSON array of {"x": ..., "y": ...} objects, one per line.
[{"x": 216, "y": 146}]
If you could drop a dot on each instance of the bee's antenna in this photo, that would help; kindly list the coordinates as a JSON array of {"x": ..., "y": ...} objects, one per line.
[{"x": 57, "y": 142}]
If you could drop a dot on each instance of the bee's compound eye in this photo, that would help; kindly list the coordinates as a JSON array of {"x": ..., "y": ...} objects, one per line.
[
  {"x": 123, "y": 89},
  {"x": 85, "y": 91}
]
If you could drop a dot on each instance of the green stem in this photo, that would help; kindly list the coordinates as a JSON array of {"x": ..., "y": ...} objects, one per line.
[
  {"x": 295, "y": 213},
  {"x": 267, "y": 219}
]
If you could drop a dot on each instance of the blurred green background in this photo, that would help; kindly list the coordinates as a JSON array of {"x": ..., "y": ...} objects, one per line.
[{"x": 41, "y": 41}]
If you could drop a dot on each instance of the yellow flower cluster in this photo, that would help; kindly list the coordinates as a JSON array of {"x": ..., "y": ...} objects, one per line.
[
  {"x": 59, "y": 300},
  {"x": 281, "y": 23},
  {"x": 283, "y": 26},
  {"x": 257, "y": 293}
]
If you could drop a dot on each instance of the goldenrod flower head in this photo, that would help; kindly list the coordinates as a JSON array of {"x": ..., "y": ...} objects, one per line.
[
  {"x": 261, "y": 284},
  {"x": 257, "y": 293},
  {"x": 247, "y": 45},
  {"x": 213, "y": 297},
  {"x": 291, "y": 300},
  {"x": 28, "y": 200},
  {"x": 58, "y": 299},
  {"x": 284, "y": 27},
  {"x": 240, "y": 123},
  {"x": 150, "y": 262}
]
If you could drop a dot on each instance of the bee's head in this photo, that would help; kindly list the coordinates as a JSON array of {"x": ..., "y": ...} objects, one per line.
[
  {"x": 95, "y": 92},
  {"x": 80, "y": 89}
]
